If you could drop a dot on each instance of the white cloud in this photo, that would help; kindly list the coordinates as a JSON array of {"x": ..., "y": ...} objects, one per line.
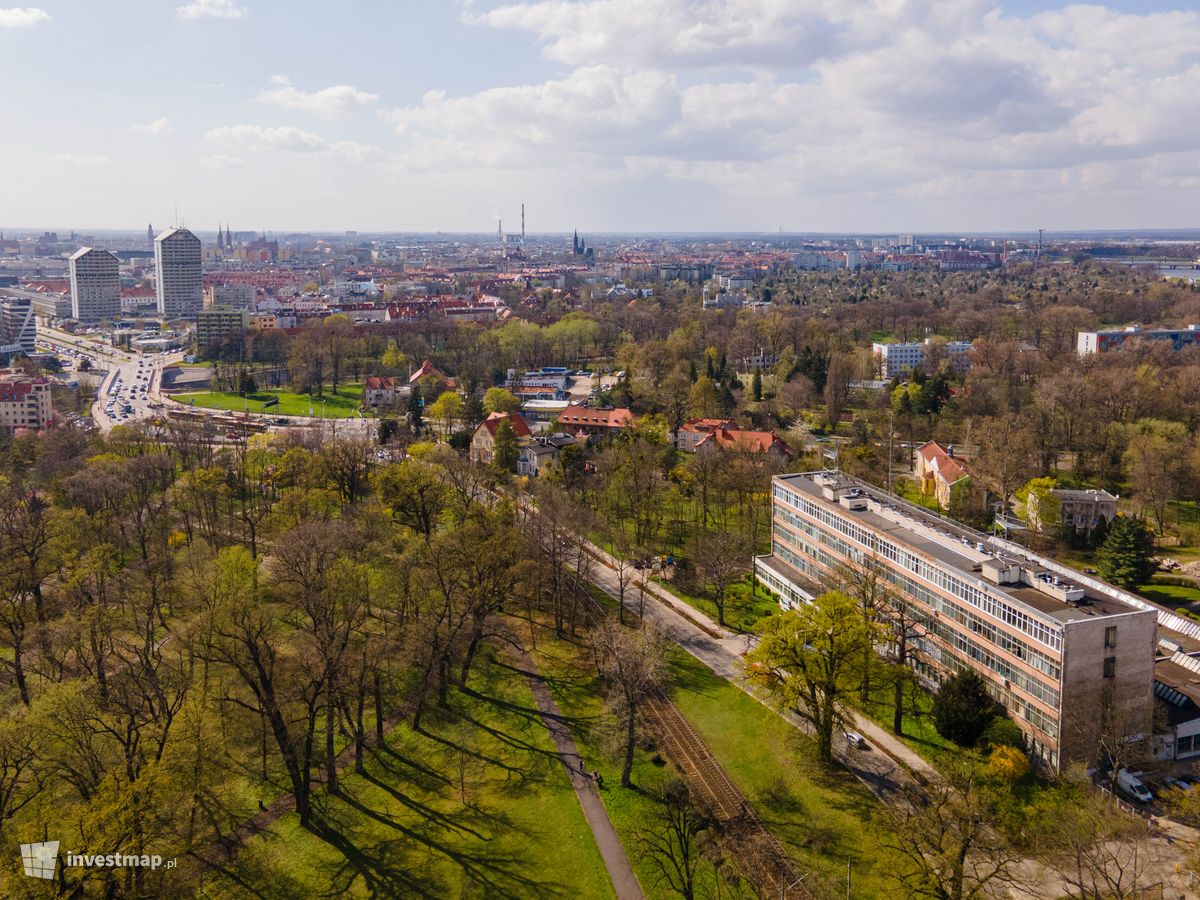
[
  {"x": 22, "y": 16},
  {"x": 211, "y": 9},
  {"x": 330, "y": 102},
  {"x": 155, "y": 128},
  {"x": 223, "y": 162},
  {"x": 287, "y": 139},
  {"x": 75, "y": 159}
]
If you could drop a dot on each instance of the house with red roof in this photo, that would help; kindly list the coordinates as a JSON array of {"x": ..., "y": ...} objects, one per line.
[
  {"x": 701, "y": 435},
  {"x": 432, "y": 380},
  {"x": 938, "y": 470},
  {"x": 483, "y": 442},
  {"x": 584, "y": 420},
  {"x": 379, "y": 391},
  {"x": 24, "y": 401}
]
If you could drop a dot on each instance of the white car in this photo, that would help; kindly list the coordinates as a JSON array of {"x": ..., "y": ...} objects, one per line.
[
  {"x": 855, "y": 740},
  {"x": 1132, "y": 785}
]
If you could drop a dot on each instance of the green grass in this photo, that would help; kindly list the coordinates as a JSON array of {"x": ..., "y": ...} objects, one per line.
[
  {"x": 478, "y": 807},
  {"x": 822, "y": 819},
  {"x": 1170, "y": 595},
  {"x": 742, "y": 610},
  {"x": 336, "y": 406},
  {"x": 919, "y": 735}
]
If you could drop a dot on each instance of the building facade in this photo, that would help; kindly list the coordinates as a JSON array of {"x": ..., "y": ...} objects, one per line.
[
  {"x": 895, "y": 360},
  {"x": 1088, "y": 342},
  {"x": 18, "y": 327},
  {"x": 95, "y": 285},
  {"x": 179, "y": 270},
  {"x": 219, "y": 323},
  {"x": 1062, "y": 652},
  {"x": 24, "y": 401}
]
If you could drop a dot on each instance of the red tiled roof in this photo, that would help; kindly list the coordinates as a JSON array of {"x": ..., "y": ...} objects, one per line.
[
  {"x": 380, "y": 383},
  {"x": 515, "y": 420},
  {"x": 597, "y": 418},
  {"x": 737, "y": 439}
]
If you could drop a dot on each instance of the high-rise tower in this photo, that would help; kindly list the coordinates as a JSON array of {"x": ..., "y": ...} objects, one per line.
[
  {"x": 95, "y": 285},
  {"x": 178, "y": 264}
]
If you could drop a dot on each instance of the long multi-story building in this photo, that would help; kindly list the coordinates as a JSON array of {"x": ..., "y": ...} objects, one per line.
[
  {"x": 1088, "y": 342},
  {"x": 218, "y": 323},
  {"x": 24, "y": 401},
  {"x": 892, "y": 360},
  {"x": 179, "y": 270},
  {"x": 18, "y": 327},
  {"x": 1065, "y": 654},
  {"x": 95, "y": 285}
]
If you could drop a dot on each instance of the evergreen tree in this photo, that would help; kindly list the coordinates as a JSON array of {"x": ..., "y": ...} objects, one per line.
[
  {"x": 1124, "y": 557},
  {"x": 692, "y": 373},
  {"x": 506, "y": 449},
  {"x": 415, "y": 408},
  {"x": 756, "y": 384},
  {"x": 963, "y": 709}
]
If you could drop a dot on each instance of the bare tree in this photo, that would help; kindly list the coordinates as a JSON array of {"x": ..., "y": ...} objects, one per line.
[{"x": 632, "y": 663}]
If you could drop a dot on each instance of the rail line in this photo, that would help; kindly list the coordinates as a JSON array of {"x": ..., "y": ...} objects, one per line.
[{"x": 761, "y": 856}]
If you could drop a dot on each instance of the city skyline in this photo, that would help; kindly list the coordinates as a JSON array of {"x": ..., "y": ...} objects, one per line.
[{"x": 607, "y": 115}]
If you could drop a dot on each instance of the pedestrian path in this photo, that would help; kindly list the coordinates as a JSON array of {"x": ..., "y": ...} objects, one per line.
[{"x": 619, "y": 870}]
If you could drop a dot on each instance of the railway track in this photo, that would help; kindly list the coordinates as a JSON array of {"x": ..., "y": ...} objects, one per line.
[{"x": 760, "y": 855}]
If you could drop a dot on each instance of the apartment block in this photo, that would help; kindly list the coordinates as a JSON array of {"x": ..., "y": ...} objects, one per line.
[
  {"x": 95, "y": 285},
  {"x": 895, "y": 360},
  {"x": 18, "y": 327},
  {"x": 219, "y": 323},
  {"x": 1064, "y": 653},
  {"x": 179, "y": 271},
  {"x": 24, "y": 401}
]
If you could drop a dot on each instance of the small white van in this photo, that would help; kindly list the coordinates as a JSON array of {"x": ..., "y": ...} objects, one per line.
[{"x": 1129, "y": 783}]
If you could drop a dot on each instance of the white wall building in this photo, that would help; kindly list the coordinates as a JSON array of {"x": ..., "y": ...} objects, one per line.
[
  {"x": 178, "y": 265},
  {"x": 95, "y": 285},
  {"x": 18, "y": 327},
  {"x": 892, "y": 360}
]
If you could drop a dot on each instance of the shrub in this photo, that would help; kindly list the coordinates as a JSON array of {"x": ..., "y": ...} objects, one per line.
[
  {"x": 1002, "y": 732},
  {"x": 962, "y": 709},
  {"x": 1008, "y": 764}
]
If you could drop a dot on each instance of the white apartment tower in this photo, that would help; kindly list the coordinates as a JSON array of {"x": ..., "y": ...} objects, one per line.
[
  {"x": 180, "y": 273},
  {"x": 95, "y": 285}
]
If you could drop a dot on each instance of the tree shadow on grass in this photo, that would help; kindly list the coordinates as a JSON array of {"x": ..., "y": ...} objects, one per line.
[{"x": 499, "y": 873}]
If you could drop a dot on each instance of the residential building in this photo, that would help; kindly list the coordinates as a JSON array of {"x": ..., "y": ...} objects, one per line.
[
  {"x": 1088, "y": 342},
  {"x": 179, "y": 271},
  {"x": 483, "y": 442},
  {"x": 938, "y": 470},
  {"x": 1062, "y": 652},
  {"x": 379, "y": 392},
  {"x": 584, "y": 420},
  {"x": 536, "y": 455},
  {"x": 24, "y": 401},
  {"x": 1077, "y": 510},
  {"x": 95, "y": 285},
  {"x": 895, "y": 360},
  {"x": 696, "y": 435},
  {"x": 219, "y": 323},
  {"x": 239, "y": 295},
  {"x": 18, "y": 327},
  {"x": 432, "y": 380}
]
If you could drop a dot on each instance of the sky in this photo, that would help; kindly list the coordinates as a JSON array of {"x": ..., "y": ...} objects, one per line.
[{"x": 602, "y": 115}]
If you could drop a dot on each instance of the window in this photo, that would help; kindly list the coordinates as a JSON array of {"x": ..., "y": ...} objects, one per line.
[
  {"x": 1110, "y": 636},
  {"x": 1184, "y": 746},
  {"x": 1110, "y": 666}
]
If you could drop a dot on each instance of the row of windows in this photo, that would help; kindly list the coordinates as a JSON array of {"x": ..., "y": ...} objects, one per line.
[
  {"x": 968, "y": 593},
  {"x": 949, "y": 636},
  {"x": 986, "y": 630}
]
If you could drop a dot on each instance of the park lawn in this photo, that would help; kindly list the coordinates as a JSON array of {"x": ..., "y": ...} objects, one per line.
[
  {"x": 478, "y": 806},
  {"x": 1171, "y": 596},
  {"x": 743, "y": 612},
  {"x": 919, "y": 732},
  {"x": 822, "y": 820},
  {"x": 335, "y": 406}
]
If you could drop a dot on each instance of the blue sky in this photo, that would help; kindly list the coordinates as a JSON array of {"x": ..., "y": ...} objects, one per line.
[{"x": 608, "y": 115}]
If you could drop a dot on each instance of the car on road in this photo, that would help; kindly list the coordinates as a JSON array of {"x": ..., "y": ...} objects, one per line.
[{"x": 855, "y": 740}]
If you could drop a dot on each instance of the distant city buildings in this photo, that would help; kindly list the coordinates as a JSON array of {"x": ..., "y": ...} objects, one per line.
[
  {"x": 897, "y": 360},
  {"x": 179, "y": 269},
  {"x": 1089, "y": 342},
  {"x": 95, "y": 285}
]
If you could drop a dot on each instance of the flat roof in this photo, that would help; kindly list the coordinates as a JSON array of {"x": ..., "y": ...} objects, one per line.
[{"x": 957, "y": 547}]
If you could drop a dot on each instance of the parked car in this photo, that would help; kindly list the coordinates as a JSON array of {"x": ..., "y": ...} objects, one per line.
[
  {"x": 1132, "y": 785},
  {"x": 855, "y": 740},
  {"x": 1178, "y": 784}
]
